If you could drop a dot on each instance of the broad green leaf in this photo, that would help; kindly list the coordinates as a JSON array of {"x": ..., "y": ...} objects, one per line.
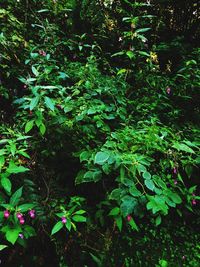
[
  {"x": 128, "y": 204},
  {"x": 49, "y": 103},
  {"x": 183, "y": 147},
  {"x": 133, "y": 225},
  {"x": 13, "y": 168},
  {"x": 6, "y": 183},
  {"x": 175, "y": 197},
  {"x": 2, "y": 161},
  {"x": 78, "y": 218},
  {"x": 119, "y": 222},
  {"x": 158, "y": 220},
  {"x": 134, "y": 192},
  {"x": 34, "y": 102},
  {"x": 79, "y": 212},
  {"x": 25, "y": 207},
  {"x": 146, "y": 175},
  {"x": 12, "y": 234},
  {"x": 150, "y": 184},
  {"x": 68, "y": 225},
  {"x": 42, "y": 128},
  {"x": 29, "y": 126},
  {"x": 57, "y": 227},
  {"x": 29, "y": 231},
  {"x": 130, "y": 54},
  {"x": 101, "y": 158},
  {"x": 15, "y": 198},
  {"x": 115, "y": 211}
]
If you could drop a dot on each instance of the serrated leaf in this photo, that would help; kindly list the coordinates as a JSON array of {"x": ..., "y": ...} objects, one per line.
[
  {"x": 49, "y": 103},
  {"x": 29, "y": 126},
  {"x": 57, "y": 227}
]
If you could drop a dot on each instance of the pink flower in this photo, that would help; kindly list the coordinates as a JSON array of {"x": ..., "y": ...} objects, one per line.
[
  {"x": 19, "y": 215},
  {"x": 174, "y": 170},
  {"x": 32, "y": 214},
  {"x": 128, "y": 218},
  {"x": 194, "y": 202},
  {"x": 64, "y": 220},
  {"x": 183, "y": 257},
  {"x": 22, "y": 221},
  {"x": 21, "y": 236},
  {"x": 6, "y": 214},
  {"x": 175, "y": 182},
  {"x": 168, "y": 90}
]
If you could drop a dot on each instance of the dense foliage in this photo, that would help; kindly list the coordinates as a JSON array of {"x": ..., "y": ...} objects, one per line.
[{"x": 99, "y": 141}]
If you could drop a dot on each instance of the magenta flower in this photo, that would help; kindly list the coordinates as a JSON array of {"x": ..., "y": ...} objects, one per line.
[
  {"x": 175, "y": 182},
  {"x": 32, "y": 214},
  {"x": 174, "y": 170},
  {"x": 194, "y": 202},
  {"x": 21, "y": 236},
  {"x": 19, "y": 215},
  {"x": 22, "y": 221},
  {"x": 128, "y": 218},
  {"x": 168, "y": 90},
  {"x": 64, "y": 220},
  {"x": 6, "y": 214}
]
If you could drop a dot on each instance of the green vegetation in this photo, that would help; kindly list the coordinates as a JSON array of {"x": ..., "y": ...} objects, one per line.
[{"x": 99, "y": 133}]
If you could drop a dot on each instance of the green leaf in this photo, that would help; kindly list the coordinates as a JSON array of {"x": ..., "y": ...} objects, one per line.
[
  {"x": 59, "y": 225},
  {"x": 150, "y": 184},
  {"x": 35, "y": 71},
  {"x": 119, "y": 222},
  {"x": 29, "y": 126},
  {"x": 49, "y": 103},
  {"x": 158, "y": 220},
  {"x": 130, "y": 54},
  {"x": 134, "y": 192},
  {"x": 146, "y": 175},
  {"x": 79, "y": 218},
  {"x": 183, "y": 147},
  {"x": 115, "y": 211},
  {"x": 2, "y": 161},
  {"x": 5, "y": 182},
  {"x": 42, "y": 128},
  {"x": 29, "y": 231},
  {"x": 68, "y": 225},
  {"x": 34, "y": 102},
  {"x": 101, "y": 158},
  {"x": 12, "y": 234},
  {"x": 128, "y": 204},
  {"x": 15, "y": 198},
  {"x": 25, "y": 207},
  {"x": 143, "y": 30},
  {"x": 133, "y": 225},
  {"x": 13, "y": 168},
  {"x": 175, "y": 197},
  {"x": 79, "y": 212},
  {"x": 2, "y": 247}
]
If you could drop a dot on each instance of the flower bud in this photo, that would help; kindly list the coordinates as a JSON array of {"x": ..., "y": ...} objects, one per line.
[{"x": 6, "y": 214}]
